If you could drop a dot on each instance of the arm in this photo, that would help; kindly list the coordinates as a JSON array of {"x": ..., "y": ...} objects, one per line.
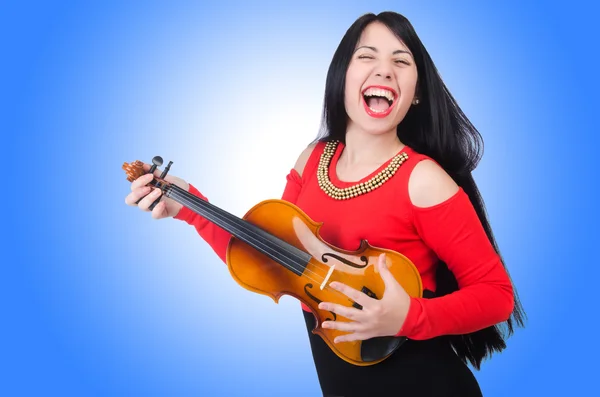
[
  {"x": 448, "y": 224},
  {"x": 218, "y": 238},
  {"x": 215, "y": 236}
]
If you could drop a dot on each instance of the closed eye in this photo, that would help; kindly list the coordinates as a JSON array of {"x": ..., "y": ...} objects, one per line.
[{"x": 396, "y": 61}]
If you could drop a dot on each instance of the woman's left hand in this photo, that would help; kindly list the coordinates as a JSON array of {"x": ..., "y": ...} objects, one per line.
[{"x": 378, "y": 317}]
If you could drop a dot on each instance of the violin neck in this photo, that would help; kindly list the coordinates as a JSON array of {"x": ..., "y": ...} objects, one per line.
[{"x": 278, "y": 250}]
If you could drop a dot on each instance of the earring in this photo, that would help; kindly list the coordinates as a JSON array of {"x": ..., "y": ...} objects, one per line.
[{"x": 416, "y": 101}]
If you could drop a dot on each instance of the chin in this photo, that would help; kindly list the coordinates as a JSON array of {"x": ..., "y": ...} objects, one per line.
[
  {"x": 376, "y": 129},
  {"x": 381, "y": 131}
]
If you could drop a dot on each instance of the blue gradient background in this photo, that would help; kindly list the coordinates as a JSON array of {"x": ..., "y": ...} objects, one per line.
[{"x": 98, "y": 299}]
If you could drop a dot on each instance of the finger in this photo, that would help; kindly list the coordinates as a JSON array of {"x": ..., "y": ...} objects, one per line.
[
  {"x": 141, "y": 181},
  {"x": 157, "y": 170},
  {"x": 160, "y": 210},
  {"x": 384, "y": 271},
  {"x": 351, "y": 337},
  {"x": 354, "y": 295},
  {"x": 133, "y": 197},
  {"x": 350, "y": 313},
  {"x": 145, "y": 203},
  {"x": 343, "y": 326}
]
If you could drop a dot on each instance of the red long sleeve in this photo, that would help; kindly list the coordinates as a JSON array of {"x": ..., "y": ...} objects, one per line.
[
  {"x": 450, "y": 231},
  {"x": 216, "y": 237},
  {"x": 485, "y": 296}
]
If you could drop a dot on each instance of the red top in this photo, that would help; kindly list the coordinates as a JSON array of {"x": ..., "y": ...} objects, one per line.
[{"x": 386, "y": 218}]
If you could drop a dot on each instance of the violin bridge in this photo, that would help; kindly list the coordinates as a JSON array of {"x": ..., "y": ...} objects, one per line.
[{"x": 327, "y": 277}]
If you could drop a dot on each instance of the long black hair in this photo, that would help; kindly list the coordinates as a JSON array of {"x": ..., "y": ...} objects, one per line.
[{"x": 438, "y": 128}]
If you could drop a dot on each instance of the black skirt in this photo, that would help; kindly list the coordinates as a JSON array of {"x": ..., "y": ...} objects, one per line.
[{"x": 417, "y": 368}]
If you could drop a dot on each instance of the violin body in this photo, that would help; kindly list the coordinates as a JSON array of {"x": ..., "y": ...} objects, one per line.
[
  {"x": 276, "y": 250},
  {"x": 357, "y": 269}
]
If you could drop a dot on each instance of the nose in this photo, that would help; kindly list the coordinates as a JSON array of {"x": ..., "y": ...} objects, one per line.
[
  {"x": 387, "y": 76},
  {"x": 383, "y": 70}
]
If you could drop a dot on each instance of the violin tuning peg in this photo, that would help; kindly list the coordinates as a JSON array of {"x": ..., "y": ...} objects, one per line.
[
  {"x": 162, "y": 176},
  {"x": 157, "y": 161},
  {"x": 166, "y": 171}
]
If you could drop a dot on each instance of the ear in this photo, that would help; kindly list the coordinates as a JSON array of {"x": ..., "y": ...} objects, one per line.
[{"x": 416, "y": 100}]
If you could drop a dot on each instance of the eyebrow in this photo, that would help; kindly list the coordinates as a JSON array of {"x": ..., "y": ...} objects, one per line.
[{"x": 375, "y": 49}]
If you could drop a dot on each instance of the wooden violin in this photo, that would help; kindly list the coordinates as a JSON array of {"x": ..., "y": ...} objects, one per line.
[{"x": 276, "y": 250}]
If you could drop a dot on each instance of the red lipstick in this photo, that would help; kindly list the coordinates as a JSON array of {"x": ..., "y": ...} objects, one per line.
[{"x": 384, "y": 113}]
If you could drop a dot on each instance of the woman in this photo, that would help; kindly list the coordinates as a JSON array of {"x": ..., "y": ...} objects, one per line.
[{"x": 387, "y": 112}]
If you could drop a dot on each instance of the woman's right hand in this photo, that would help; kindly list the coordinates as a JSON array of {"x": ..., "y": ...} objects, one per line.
[{"x": 167, "y": 207}]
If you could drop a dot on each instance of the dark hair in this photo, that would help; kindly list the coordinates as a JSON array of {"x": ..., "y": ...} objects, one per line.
[{"x": 437, "y": 128}]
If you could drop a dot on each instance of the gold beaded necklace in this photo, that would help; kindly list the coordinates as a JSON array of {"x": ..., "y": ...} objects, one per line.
[{"x": 353, "y": 191}]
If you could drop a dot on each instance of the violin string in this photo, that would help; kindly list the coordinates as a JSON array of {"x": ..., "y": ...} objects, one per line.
[
  {"x": 247, "y": 228},
  {"x": 183, "y": 195},
  {"x": 259, "y": 242}
]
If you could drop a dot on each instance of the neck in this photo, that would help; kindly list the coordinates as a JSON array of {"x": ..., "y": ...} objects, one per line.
[{"x": 364, "y": 148}]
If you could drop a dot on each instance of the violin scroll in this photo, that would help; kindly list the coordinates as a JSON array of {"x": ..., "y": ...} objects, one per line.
[{"x": 134, "y": 170}]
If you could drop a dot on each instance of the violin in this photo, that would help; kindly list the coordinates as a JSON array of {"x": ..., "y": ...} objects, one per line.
[{"x": 276, "y": 250}]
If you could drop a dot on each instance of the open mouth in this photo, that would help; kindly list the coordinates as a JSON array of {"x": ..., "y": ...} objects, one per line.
[{"x": 379, "y": 101}]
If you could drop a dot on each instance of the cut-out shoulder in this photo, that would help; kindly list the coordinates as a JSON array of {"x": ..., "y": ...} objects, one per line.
[
  {"x": 430, "y": 185},
  {"x": 303, "y": 158}
]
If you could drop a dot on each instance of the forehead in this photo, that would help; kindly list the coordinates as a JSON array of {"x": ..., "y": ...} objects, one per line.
[{"x": 378, "y": 35}]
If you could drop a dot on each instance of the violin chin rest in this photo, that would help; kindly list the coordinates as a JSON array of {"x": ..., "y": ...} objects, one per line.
[{"x": 377, "y": 348}]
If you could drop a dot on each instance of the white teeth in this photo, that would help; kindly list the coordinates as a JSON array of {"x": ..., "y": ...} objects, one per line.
[{"x": 380, "y": 92}]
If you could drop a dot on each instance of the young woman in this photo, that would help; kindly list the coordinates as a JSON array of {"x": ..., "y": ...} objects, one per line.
[{"x": 387, "y": 113}]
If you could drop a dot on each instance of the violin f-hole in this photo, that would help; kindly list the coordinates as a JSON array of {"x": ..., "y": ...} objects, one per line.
[{"x": 345, "y": 261}]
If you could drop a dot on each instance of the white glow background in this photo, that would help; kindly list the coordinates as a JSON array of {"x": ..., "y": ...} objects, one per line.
[{"x": 102, "y": 300}]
